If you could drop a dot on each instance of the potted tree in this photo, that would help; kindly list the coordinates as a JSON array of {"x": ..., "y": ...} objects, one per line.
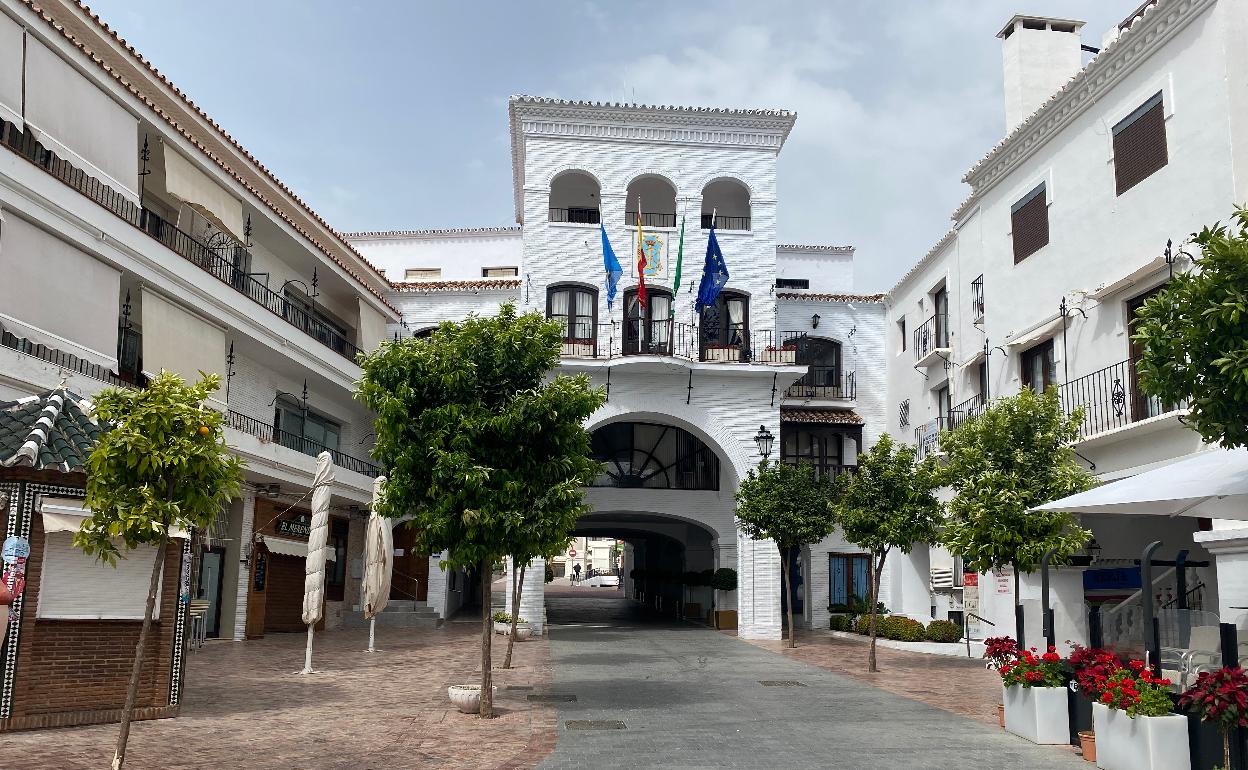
[
  {"x": 1035, "y": 697},
  {"x": 1135, "y": 728},
  {"x": 1220, "y": 697}
]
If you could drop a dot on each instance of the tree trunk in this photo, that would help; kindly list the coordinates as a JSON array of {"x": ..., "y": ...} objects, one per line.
[
  {"x": 136, "y": 670},
  {"x": 487, "y": 636},
  {"x": 517, "y": 588},
  {"x": 875, "y": 601},
  {"x": 787, "y": 590}
]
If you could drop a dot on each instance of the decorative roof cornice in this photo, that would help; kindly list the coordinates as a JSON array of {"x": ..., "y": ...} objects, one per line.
[
  {"x": 62, "y": 26},
  {"x": 450, "y": 232},
  {"x": 429, "y": 287},
  {"x": 815, "y": 247},
  {"x": 1145, "y": 32},
  {"x": 612, "y": 121},
  {"x": 832, "y": 297}
]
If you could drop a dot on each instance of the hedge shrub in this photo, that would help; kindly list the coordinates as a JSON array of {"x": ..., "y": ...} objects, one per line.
[
  {"x": 902, "y": 629},
  {"x": 943, "y": 631},
  {"x": 863, "y": 624},
  {"x": 841, "y": 623}
]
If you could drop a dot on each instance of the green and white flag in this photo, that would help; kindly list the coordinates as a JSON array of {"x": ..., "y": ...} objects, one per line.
[{"x": 680, "y": 253}]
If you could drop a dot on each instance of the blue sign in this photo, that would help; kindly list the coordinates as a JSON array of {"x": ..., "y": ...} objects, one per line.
[
  {"x": 15, "y": 548},
  {"x": 1112, "y": 579}
]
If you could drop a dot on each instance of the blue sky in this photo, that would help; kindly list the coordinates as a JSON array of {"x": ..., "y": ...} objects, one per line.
[{"x": 392, "y": 115}]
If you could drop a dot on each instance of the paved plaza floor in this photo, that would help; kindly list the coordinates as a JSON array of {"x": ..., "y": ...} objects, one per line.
[
  {"x": 638, "y": 693},
  {"x": 688, "y": 697}
]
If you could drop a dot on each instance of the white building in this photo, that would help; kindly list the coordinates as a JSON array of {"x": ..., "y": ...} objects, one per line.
[{"x": 1064, "y": 233}]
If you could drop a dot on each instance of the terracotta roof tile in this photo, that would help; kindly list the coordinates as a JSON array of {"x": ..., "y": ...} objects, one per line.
[
  {"x": 830, "y": 416},
  {"x": 54, "y": 430},
  {"x": 370, "y": 234},
  {"x": 831, "y": 297},
  {"x": 485, "y": 284}
]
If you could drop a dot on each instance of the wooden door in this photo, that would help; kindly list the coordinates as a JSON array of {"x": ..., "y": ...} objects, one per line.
[{"x": 410, "y": 580}]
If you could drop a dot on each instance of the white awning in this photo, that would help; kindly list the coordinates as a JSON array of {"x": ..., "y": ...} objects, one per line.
[
  {"x": 55, "y": 294},
  {"x": 180, "y": 341},
  {"x": 11, "y": 71},
  {"x": 80, "y": 121},
  {"x": 196, "y": 189},
  {"x": 296, "y": 548},
  {"x": 980, "y": 355},
  {"x": 65, "y": 514},
  {"x": 1036, "y": 335}
]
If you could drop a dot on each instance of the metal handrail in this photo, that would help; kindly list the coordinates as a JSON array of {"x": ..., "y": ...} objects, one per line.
[
  {"x": 267, "y": 433},
  {"x": 1111, "y": 398},
  {"x": 932, "y": 334}
]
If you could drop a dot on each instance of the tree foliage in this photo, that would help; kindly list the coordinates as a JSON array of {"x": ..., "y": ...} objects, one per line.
[
  {"x": 485, "y": 451},
  {"x": 790, "y": 505},
  {"x": 889, "y": 503},
  {"x": 1194, "y": 334},
  {"x": 1017, "y": 454},
  {"x": 160, "y": 462}
]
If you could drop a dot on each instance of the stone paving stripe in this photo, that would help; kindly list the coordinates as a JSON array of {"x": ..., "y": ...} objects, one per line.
[
  {"x": 553, "y": 698},
  {"x": 594, "y": 724},
  {"x": 780, "y": 683}
]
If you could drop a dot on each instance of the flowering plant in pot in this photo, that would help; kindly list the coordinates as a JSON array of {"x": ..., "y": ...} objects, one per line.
[
  {"x": 502, "y": 622},
  {"x": 1220, "y": 697},
  {"x": 999, "y": 650},
  {"x": 1090, "y": 667},
  {"x": 1035, "y": 696},
  {"x": 1135, "y": 728}
]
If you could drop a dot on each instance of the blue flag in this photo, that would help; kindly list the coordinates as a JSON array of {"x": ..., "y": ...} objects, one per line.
[
  {"x": 612, "y": 265},
  {"x": 714, "y": 273}
]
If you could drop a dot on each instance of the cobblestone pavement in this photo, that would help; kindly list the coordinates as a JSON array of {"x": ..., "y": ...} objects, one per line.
[
  {"x": 245, "y": 707},
  {"x": 689, "y": 697}
]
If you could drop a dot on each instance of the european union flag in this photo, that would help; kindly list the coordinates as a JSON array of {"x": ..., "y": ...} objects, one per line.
[
  {"x": 714, "y": 273},
  {"x": 614, "y": 271}
]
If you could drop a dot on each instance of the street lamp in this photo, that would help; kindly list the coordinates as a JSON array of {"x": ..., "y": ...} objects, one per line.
[{"x": 764, "y": 440}]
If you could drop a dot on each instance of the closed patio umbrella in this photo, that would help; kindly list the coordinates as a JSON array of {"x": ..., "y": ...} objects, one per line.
[
  {"x": 314, "y": 566},
  {"x": 1211, "y": 484},
  {"x": 378, "y": 563}
]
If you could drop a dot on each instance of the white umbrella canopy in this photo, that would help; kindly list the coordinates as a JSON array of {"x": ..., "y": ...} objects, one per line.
[
  {"x": 1212, "y": 484},
  {"x": 314, "y": 565},
  {"x": 378, "y": 562}
]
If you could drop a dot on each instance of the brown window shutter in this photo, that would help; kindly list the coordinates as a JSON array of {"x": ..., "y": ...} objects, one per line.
[
  {"x": 1030, "y": 224},
  {"x": 1140, "y": 146}
]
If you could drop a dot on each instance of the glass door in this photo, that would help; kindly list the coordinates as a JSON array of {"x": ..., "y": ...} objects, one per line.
[{"x": 210, "y": 578}]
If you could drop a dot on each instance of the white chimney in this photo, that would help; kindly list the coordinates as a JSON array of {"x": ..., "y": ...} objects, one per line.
[{"x": 1039, "y": 55}]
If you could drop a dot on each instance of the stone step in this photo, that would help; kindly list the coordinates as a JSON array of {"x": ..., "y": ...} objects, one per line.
[{"x": 394, "y": 620}]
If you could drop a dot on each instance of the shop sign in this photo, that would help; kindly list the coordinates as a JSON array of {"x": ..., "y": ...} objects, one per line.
[
  {"x": 970, "y": 604},
  {"x": 1005, "y": 581},
  {"x": 262, "y": 564},
  {"x": 15, "y": 553},
  {"x": 299, "y": 527},
  {"x": 1112, "y": 579}
]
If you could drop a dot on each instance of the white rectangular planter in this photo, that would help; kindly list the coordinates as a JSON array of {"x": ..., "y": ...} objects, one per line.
[
  {"x": 1143, "y": 743},
  {"x": 1038, "y": 714},
  {"x": 577, "y": 350},
  {"x": 723, "y": 355}
]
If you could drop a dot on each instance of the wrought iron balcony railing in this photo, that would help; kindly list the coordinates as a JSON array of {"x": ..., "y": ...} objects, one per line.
[
  {"x": 580, "y": 216},
  {"x": 267, "y": 433},
  {"x": 823, "y": 470},
  {"x": 67, "y": 361},
  {"x": 725, "y": 223},
  {"x": 220, "y": 260},
  {"x": 927, "y": 435},
  {"x": 685, "y": 341},
  {"x": 932, "y": 334},
  {"x": 977, "y": 298},
  {"x": 824, "y": 382},
  {"x": 1111, "y": 398},
  {"x": 650, "y": 219},
  {"x": 972, "y": 407}
]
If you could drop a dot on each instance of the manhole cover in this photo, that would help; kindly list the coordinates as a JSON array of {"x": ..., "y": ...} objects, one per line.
[
  {"x": 552, "y": 698},
  {"x": 594, "y": 724},
  {"x": 780, "y": 683}
]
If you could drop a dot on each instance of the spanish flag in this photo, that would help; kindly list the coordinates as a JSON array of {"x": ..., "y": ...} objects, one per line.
[{"x": 641, "y": 261}]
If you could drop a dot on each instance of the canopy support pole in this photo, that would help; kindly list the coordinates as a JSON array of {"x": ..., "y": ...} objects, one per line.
[
  {"x": 372, "y": 627},
  {"x": 307, "y": 654}
]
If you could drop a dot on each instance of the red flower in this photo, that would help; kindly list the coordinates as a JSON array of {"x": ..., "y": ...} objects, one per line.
[{"x": 1051, "y": 657}]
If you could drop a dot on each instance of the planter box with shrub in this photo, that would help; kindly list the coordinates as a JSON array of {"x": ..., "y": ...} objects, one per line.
[
  {"x": 1039, "y": 714},
  {"x": 1140, "y": 743}
]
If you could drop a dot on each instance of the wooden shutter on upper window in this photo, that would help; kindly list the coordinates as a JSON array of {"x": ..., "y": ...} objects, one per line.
[
  {"x": 1029, "y": 221},
  {"x": 1140, "y": 145}
]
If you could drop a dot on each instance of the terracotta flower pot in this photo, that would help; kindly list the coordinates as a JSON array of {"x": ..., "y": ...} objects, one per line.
[
  {"x": 1087, "y": 743},
  {"x": 1001, "y": 714}
]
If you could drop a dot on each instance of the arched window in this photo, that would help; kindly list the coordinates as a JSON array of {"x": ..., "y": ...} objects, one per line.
[
  {"x": 641, "y": 455},
  {"x": 726, "y": 327},
  {"x": 658, "y": 202},
  {"x": 824, "y": 377},
  {"x": 648, "y": 332},
  {"x": 574, "y": 197},
  {"x": 729, "y": 201},
  {"x": 575, "y": 307}
]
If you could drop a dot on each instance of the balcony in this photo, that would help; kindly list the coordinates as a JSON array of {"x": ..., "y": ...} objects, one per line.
[
  {"x": 578, "y": 216},
  {"x": 931, "y": 340},
  {"x": 1111, "y": 399},
  {"x": 824, "y": 382},
  {"x": 219, "y": 260},
  {"x": 268, "y": 434},
  {"x": 683, "y": 341},
  {"x": 68, "y": 361},
  {"x": 650, "y": 219},
  {"x": 972, "y": 407},
  {"x": 927, "y": 435},
  {"x": 725, "y": 223},
  {"x": 823, "y": 470},
  {"x": 977, "y": 300}
]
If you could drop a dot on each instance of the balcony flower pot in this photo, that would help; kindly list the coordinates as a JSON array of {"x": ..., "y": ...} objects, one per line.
[
  {"x": 466, "y": 697},
  {"x": 1039, "y": 714},
  {"x": 726, "y": 354},
  {"x": 524, "y": 632},
  {"x": 578, "y": 349},
  {"x": 785, "y": 355},
  {"x": 1142, "y": 743},
  {"x": 1087, "y": 744}
]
